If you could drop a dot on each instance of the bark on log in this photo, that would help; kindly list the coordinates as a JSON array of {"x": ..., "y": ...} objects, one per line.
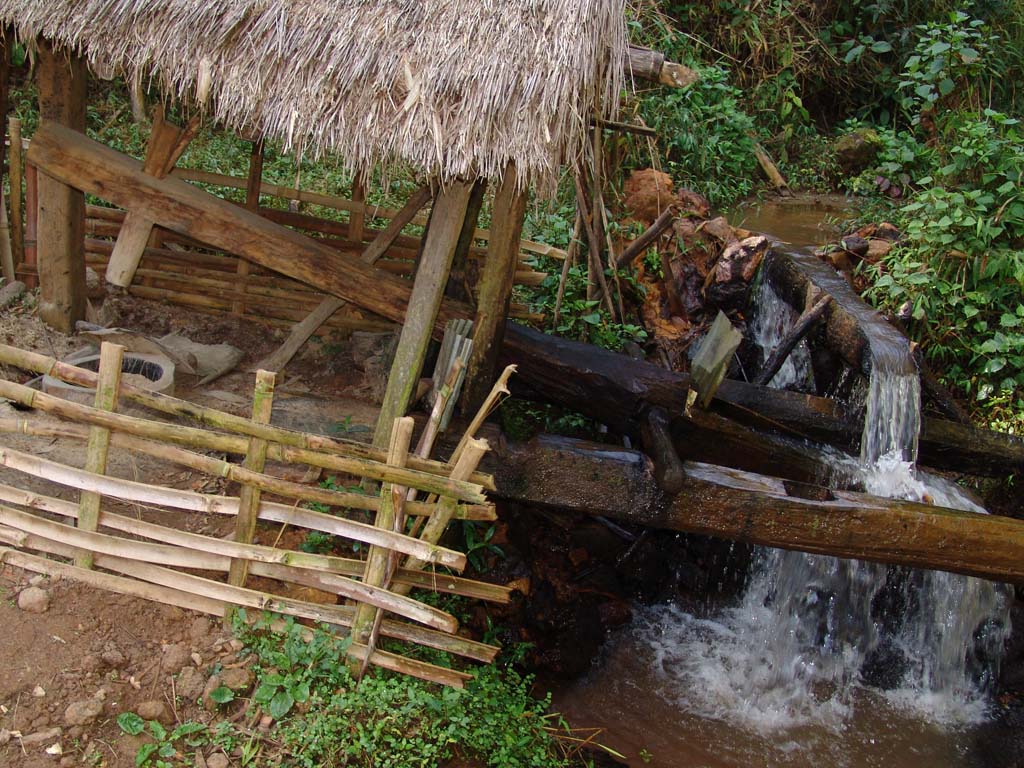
[{"x": 562, "y": 473}]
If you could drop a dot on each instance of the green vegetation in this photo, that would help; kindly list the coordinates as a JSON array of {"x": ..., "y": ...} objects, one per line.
[{"x": 322, "y": 717}]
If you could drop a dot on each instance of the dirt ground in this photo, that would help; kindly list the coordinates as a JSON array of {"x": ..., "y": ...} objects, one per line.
[{"x": 73, "y": 657}]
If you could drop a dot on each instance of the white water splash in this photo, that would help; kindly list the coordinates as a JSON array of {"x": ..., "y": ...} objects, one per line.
[{"x": 773, "y": 319}]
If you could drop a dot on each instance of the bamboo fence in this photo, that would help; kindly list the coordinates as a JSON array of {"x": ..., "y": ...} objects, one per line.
[{"x": 91, "y": 542}]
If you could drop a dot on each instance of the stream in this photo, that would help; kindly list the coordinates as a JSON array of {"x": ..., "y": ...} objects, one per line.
[{"x": 820, "y": 660}]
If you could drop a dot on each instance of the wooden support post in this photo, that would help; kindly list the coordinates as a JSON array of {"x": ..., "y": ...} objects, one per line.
[
  {"x": 167, "y": 142},
  {"x": 442, "y": 237},
  {"x": 249, "y": 496},
  {"x": 15, "y": 174},
  {"x": 392, "y": 498},
  {"x": 495, "y": 290},
  {"x": 107, "y": 391},
  {"x": 460, "y": 284},
  {"x": 61, "y": 249},
  {"x": 252, "y": 202}
]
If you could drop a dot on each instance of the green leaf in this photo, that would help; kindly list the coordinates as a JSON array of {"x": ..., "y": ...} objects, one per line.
[
  {"x": 144, "y": 753},
  {"x": 158, "y": 731},
  {"x": 280, "y": 705},
  {"x": 222, "y": 695},
  {"x": 264, "y": 693},
  {"x": 880, "y": 46},
  {"x": 996, "y": 364},
  {"x": 853, "y": 54},
  {"x": 946, "y": 86},
  {"x": 924, "y": 91},
  {"x": 166, "y": 750},
  {"x": 1009, "y": 321},
  {"x": 131, "y": 723}
]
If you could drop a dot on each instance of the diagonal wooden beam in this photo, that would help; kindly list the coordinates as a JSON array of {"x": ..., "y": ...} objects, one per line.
[{"x": 178, "y": 206}]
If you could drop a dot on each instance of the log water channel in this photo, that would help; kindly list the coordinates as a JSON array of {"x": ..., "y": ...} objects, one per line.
[{"x": 820, "y": 659}]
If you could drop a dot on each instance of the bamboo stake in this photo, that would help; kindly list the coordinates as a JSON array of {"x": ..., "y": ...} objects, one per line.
[
  {"x": 500, "y": 388},
  {"x": 569, "y": 262},
  {"x": 594, "y": 247},
  {"x": 438, "y": 522},
  {"x": 43, "y": 365},
  {"x": 285, "y": 565},
  {"x": 392, "y": 499},
  {"x": 15, "y": 173},
  {"x": 189, "y": 435},
  {"x": 255, "y": 458},
  {"x": 174, "y": 596},
  {"x": 226, "y": 444},
  {"x": 130, "y": 490},
  {"x": 111, "y": 363}
]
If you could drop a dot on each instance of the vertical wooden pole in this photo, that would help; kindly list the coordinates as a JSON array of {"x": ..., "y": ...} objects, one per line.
[
  {"x": 15, "y": 174},
  {"x": 108, "y": 387},
  {"x": 252, "y": 202},
  {"x": 495, "y": 290},
  {"x": 6, "y": 254},
  {"x": 428, "y": 289},
  {"x": 391, "y": 500},
  {"x": 357, "y": 218},
  {"x": 61, "y": 248},
  {"x": 255, "y": 458},
  {"x": 461, "y": 282},
  {"x": 31, "y": 264}
]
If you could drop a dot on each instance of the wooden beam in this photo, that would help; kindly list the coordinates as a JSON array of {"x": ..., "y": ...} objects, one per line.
[
  {"x": 167, "y": 142},
  {"x": 61, "y": 80},
  {"x": 425, "y": 301},
  {"x": 591, "y": 478},
  {"x": 495, "y": 290},
  {"x": 186, "y": 210}
]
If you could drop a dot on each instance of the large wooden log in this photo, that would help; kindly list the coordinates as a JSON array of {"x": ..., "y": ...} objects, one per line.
[{"x": 562, "y": 473}]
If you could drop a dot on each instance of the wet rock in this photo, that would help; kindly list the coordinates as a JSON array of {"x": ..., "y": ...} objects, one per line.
[
  {"x": 884, "y": 667},
  {"x": 721, "y": 229},
  {"x": 175, "y": 657},
  {"x": 83, "y": 712},
  {"x": 855, "y": 245},
  {"x": 190, "y": 683},
  {"x": 34, "y": 600},
  {"x": 5, "y": 736},
  {"x": 857, "y": 150},
  {"x": 155, "y": 710},
  {"x": 732, "y": 273}
]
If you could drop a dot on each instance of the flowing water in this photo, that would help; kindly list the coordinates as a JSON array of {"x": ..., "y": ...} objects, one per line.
[{"x": 851, "y": 662}]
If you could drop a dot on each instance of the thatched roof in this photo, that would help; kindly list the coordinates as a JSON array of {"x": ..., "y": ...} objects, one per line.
[{"x": 454, "y": 87}]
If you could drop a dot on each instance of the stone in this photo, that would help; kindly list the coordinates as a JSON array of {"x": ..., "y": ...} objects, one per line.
[
  {"x": 238, "y": 679},
  {"x": 199, "y": 629},
  {"x": 11, "y": 292},
  {"x": 5, "y": 736},
  {"x": 190, "y": 684},
  {"x": 155, "y": 710},
  {"x": 34, "y": 600},
  {"x": 217, "y": 760},
  {"x": 856, "y": 151},
  {"x": 37, "y": 581},
  {"x": 113, "y": 658},
  {"x": 175, "y": 657},
  {"x": 83, "y": 712},
  {"x": 41, "y": 737},
  {"x": 95, "y": 286},
  {"x": 92, "y": 663}
]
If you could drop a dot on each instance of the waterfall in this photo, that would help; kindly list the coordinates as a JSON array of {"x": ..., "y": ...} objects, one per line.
[{"x": 814, "y": 635}]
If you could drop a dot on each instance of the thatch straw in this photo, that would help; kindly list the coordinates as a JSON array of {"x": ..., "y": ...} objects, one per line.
[{"x": 454, "y": 88}]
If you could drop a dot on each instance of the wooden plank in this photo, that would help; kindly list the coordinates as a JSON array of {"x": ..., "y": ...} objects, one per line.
[
  {"x": 424, "y": 309},
  {"x": 189, "y": 211},
  {"x": 61, "y": 81},
  {"x": 495, "y": 290}
]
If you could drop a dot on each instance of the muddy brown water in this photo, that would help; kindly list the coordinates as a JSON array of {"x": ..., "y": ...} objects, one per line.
[{"x": 656, "y": 715}]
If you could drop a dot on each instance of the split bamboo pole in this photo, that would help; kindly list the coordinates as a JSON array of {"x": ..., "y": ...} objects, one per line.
[
  {"x": 324, "y": 572},
  {"x": 15, "y": 173},
  {"x": 43, "y": 365},
  {"x": 424, "y": 481},
  {"x": 130, "y": 490},
  {"x": 111, "y": 362}
]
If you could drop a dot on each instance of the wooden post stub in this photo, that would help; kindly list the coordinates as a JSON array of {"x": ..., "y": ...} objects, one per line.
[
  {"x": 495, "y": 289},
  {"x": 107, "y": 391},
  {"x": 255, "y": 458}
]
